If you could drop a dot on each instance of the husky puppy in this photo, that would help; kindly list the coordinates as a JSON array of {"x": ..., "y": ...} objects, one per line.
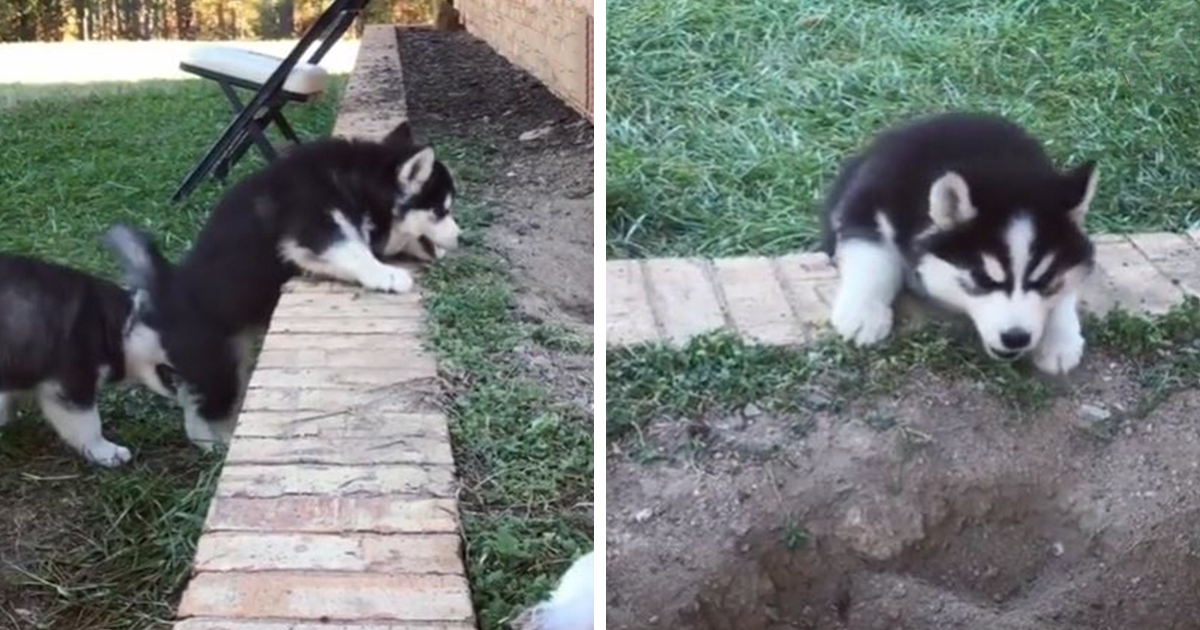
[
  {"x": 966, "y": 209},
  {"x": 64, "y": 334},
  {"x": 571, "y": 605},
  {"x": 330, "y": 208}
]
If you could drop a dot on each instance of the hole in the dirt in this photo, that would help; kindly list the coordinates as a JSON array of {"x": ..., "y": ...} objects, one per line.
[{"x": 1003, "y": 557}]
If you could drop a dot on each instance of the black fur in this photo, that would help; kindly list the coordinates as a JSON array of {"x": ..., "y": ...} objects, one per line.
[
  {"x": 1006, "y": 170},
  {"x": 59, "y": 325},
  {"x": 230, "y": 282}
]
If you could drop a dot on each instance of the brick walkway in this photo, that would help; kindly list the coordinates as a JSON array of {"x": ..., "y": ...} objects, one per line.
[
  {"x": 336, "y": 506},
  {"x": 786, "y": 300}
]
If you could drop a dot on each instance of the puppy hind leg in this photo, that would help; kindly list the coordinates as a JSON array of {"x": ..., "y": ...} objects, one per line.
[
  {"x": 79, "y": 426},
  {"x": 872, "y": 274}
]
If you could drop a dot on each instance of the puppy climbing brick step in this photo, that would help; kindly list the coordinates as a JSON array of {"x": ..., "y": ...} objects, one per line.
[
  {"x": 336, "y": 506},
  {"x": 786, "y": 300}
]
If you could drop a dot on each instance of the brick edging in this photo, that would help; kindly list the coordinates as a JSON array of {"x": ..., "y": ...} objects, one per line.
[
  {"x": 786, "y": 300},
  {"x": 337, "y": 501}
]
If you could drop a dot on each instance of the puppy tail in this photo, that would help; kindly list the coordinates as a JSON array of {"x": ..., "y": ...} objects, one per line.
[
  {"x": 572, "y": 604},
  {"x": 138, "y": 256}
]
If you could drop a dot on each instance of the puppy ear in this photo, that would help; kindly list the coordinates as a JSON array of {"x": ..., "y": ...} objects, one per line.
[
  {"x": 950, "y": 201},
  {"x": 401, "y": 137},
  {"x": 416, "y": 170},
  {"x": 138, "y": 256},
  {"x": 1081, "y": 186}
]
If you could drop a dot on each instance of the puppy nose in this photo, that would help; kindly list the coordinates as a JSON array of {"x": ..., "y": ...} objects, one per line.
[{"x": 1015, "y": 339}]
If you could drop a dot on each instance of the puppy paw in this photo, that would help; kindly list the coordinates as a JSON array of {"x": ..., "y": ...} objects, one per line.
[
  {"x": 107, "y": 454},
  {"x": 1059, "y": 354},
  {"x": 863, "y": 324},
  {"x": 389, "y": 280}
]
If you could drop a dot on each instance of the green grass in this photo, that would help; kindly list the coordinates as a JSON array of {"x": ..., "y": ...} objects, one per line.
[
  {"x": 719, "y": 374},
  {"x": 726, "y": 119},
  {"x": 526, "y": 460},
  {"x": 115, "y": 545}
]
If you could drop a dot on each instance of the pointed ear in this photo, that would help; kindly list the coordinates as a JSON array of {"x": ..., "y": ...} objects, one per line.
[
  {"x": 1081, "y": 184},
  {"x": 416, "y": 170},
  {"x": 400, "y": 137},
  {"x": 138, "y": 256},
  {"x": 950, "y": 201}
]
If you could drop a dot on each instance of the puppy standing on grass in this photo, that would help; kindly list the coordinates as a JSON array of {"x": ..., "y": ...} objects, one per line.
[
  {"x": 967, "y": 210},
  {"x": 332, "y": 208},
  {"x": 63, "y": 335}
]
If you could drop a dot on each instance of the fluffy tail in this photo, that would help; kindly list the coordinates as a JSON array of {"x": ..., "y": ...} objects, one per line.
[{"x": 571, "y": 605}]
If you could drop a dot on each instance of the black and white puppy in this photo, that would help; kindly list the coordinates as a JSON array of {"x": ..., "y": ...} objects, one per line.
[
  {"x": 63, "y": 335},
  {"x": 968, "y": 210},
  {"x": 332, "y": 208}
]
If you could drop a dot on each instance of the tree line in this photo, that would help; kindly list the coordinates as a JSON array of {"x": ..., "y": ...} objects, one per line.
[{"x": 85, "y": 20}]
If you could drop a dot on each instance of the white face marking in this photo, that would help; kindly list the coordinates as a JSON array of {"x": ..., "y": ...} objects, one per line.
[
  {"x": 443, "y": 233},
  {"x": 205, "y": 434},
  {"x": 143, "y": 354},
  {"x": 1043, "y": 267},
  {"x": 993, "y": 269},
  {"x": 997, "y": 312}
]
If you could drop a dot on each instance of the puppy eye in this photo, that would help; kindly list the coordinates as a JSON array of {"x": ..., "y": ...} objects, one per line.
[
  {"x": 167, "y": 375},
  {"x": 984, "y": 283}
]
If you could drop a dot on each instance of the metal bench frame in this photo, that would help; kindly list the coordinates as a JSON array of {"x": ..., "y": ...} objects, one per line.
[{"x": 252, "y": 118}]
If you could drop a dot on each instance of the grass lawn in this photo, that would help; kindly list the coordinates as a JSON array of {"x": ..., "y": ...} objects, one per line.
[
  {"x": 718, "y": 374},
  {"x": 524, "y": 458},
  {"x": 726, "y": 120},
  {"x": 83, "y": 548}
]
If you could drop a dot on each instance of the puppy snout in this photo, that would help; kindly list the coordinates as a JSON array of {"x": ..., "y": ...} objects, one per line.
[{"x": 1015, "y": 339}]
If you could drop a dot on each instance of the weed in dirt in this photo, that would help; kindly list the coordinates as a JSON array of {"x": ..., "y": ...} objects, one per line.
[
  {"x": 525, "y": 461},
  {"x": 726, "y": 120},
  {"x": 795, "y": 535}
]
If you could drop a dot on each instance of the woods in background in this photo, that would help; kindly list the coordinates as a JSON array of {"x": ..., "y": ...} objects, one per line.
[{"x": 66, "y": 20}]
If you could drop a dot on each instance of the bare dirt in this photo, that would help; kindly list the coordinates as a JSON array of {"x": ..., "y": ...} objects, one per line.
[
  {"x": 950, "y": 513},
  {"x": 538, "y": 191}
]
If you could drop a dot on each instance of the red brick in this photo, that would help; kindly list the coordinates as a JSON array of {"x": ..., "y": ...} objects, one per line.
[
  {"x": 325, "y": 450},
  {"x": 300, "y": 479},
  {"x": 335, "y": 596},
  {"x": 333, "y": 514},
  {"x": 348, "y": 326},
  {"x": 370, "y": 425},
  {"x": 358, "y": 378},
  {"x": 683, "y": 298},
  {"x": 756, "y": 301},
  {"x": 370, "y": 553},
  {"x": 246, "y": 624}
]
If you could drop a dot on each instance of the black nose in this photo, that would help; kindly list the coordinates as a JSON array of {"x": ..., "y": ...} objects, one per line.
[{"x": 1015, "y": 339}]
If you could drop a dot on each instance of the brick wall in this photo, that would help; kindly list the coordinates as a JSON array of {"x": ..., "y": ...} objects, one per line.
[{"x": 551, "y": 39}]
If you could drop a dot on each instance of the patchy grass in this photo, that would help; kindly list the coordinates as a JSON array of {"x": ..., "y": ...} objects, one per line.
[
  {"x": 727, "y": 119},
  {"x": 82, "y": 547},
  {"x": 719, "y": 374},
  {"x": 526, "y": 460}
]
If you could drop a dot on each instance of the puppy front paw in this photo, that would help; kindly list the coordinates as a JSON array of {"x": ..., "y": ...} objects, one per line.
[
  {"x": 389, "y": 279},
  {"x": 864, "y": 323},
  {"x": 1059, "y": 354},
  {"x": 107, "y": 454}
]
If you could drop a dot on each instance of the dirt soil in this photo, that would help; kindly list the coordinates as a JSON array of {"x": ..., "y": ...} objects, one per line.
[
  {"x": 538, "y": 191},
  {"x": 943, "y": 512}
]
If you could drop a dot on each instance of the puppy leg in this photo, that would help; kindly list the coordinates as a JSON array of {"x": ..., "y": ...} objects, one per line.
[
  {"x": 350, "y": 258},
  {"x": 1061, "y": 348},
  {"x": 872, "y": 274},
  {"x": 79, "y": 426}
]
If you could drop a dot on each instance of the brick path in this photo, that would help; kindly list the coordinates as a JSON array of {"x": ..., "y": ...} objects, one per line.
[
  {"x": 336, "y": 506},
  {"x": 786, "y": 300}
]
